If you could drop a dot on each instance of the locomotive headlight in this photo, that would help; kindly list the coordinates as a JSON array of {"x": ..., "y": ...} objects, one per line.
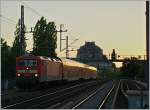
[
  {"x": 36, "y": 75},
  {"x": 18, "y": 74}
]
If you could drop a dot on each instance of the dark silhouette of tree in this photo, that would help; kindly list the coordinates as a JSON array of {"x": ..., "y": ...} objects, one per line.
[
  {"x": 45, "y": 38},
  {"x": 5, "y": 53},
  {"x": 132, "y": 68},
  {"x": 16, "y": 44},
  {"x": 15, "y": 50},
  {"x": 52, "y": 38}
]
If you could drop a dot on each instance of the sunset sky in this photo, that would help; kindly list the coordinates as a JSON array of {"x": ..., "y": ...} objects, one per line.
[{"x": 111, "y": 24}]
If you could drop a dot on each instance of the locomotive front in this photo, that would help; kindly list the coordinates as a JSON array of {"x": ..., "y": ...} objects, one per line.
[{"x": 27, "y": 70}]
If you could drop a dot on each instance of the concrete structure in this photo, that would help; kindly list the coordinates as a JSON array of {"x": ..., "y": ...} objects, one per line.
[
  {"x": 93, "y": 55},
  {"x": 90, "y": 51},
  {"x": 137, "y": 99}
]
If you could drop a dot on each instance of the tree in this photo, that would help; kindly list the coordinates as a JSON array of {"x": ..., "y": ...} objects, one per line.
[
  {"x": 45, "y": 38},
  {"x": 4, "y": 59},
  {"x": 16, "y": 44},
  {"x": 15, "y": 50},
  {"x": 131, "y": 68}
]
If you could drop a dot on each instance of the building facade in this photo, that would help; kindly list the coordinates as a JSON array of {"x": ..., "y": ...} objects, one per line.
[{"x": 93, "y": 55}]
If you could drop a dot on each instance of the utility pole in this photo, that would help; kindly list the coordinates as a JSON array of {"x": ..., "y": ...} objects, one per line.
[
  {"x": 61, "y": 25},
  {"x": 67, "y": 51},
  {"x": 147, "y": 43},
  {"x": 22, "y": 31},
  {"x": 68, "y": 45}
]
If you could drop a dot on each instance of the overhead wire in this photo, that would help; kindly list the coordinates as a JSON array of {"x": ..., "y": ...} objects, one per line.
[
  {"x": 8, "y": 19},
  {"x": 32, "y": 9},
  {"x": 27, "y": 6}
]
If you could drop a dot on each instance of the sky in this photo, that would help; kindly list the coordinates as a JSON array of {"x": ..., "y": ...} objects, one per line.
[{"x": 118, "y": 25}]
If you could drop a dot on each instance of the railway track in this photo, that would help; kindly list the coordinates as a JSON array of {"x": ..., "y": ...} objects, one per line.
[
  {"x": 87, "y": 95},
  {"x": 104, "y": 97},
  {"x": 19, "y": 95},
  {"x": 135, "y": 94},
  {"x": 124, "y": 88},
  {"x": 7, "y": 92},
  {"x": 47, "y": 100},
  {"x": 131, "y": 85},
  {"x": 111, "y": 97}
]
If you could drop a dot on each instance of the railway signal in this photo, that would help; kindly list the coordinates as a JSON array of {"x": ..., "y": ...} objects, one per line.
[{"x": 113, "y": 55}]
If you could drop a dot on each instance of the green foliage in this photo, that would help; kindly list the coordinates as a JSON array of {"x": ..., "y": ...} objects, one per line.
[
  {"x": 9, "y": 56},
  {"x": 132, "y": 68},
  {"x": 16, "y": 44},
  {"x": 45, "y": 38},
  {"x": 110, "y": 74},
  {"x": 5, "y": 53}
]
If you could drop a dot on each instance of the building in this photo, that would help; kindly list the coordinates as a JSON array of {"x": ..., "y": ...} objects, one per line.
[{"x": 93, "y": 55}]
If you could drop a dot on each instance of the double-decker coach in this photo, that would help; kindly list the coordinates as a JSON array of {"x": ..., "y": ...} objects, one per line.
[{"x": 39, "y": 69}]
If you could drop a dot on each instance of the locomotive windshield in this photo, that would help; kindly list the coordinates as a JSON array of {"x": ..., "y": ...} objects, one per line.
[{"x": 27, "y": 63}]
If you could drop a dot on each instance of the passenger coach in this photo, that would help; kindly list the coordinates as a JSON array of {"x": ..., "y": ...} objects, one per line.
[{"x": 39, "y": 69}]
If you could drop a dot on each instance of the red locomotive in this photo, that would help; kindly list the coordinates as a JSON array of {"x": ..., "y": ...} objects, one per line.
[{"x": 39, "y": 69}]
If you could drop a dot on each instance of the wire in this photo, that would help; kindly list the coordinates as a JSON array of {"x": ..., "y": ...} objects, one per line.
[
  {"x": 33, "y": 10},
  {"x": 5, "y": 35},
  {"x": 8, "y": 19}
]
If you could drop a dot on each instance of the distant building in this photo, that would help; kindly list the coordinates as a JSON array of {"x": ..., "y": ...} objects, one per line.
[
  {"x": 90, "y": 51},
  {"x": 93, "y": 55}
]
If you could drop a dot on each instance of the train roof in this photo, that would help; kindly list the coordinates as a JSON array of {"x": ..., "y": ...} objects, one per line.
[
  {"x": 30, "y": 57},
  {"x": 63, "y": 60},
  {"x": 38, "y": 57},
  {"x": 77, "y": 64}
]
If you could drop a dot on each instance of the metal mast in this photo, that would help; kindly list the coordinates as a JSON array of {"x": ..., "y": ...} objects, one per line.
[
  {"x": 147, "y": 42},
  {"x": 61, "y": 25},
  {"x": 22, "y": 31}
]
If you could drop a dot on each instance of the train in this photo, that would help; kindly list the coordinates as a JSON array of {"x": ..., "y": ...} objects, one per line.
[{"x": 33, "y": 70}]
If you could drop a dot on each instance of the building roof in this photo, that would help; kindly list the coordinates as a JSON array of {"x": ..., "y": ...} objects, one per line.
[{"x": 90, "y": 51}]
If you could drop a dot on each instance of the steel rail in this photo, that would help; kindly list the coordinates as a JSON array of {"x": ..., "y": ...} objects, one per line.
[
  {"x": 115, "y": 97},
  {"x": 122, "y": 90},
  {"x": 35, "y": 93},
  {"x": 28, "y": 100},
  {"x": 93, "y": 95},
  {"x": 6, "y": 92},
  {"x": 139, "y": 88},
  {"x": 132, "y": 85},
  {"x": 127, "y": 86},
  {"x": 58, "y": 97},
  {"x": 106, "y": 97},
  {"x": 87, "y": 98},
  {"x": 140, "y": 85}
]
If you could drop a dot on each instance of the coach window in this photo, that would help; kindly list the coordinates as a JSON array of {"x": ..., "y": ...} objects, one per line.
[
  {"x": 35, "y": 63},
  {"x": 22, "y": 63},
  {"x": 32, "y": 63}
]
